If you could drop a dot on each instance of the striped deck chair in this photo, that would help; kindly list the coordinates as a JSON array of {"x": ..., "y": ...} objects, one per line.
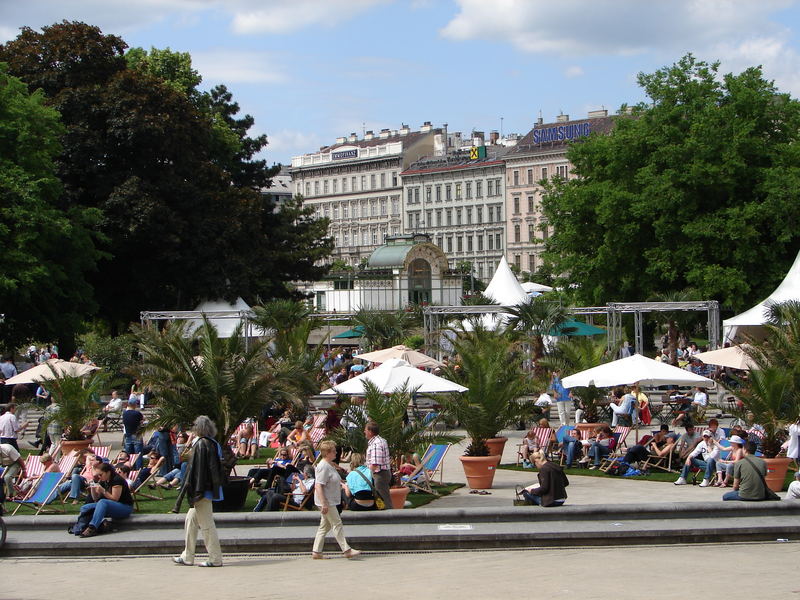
[
  {"x": 432, "y": 464},
  {"x": 542, "y": 441},
  {"x": 621, "y": 432},
  {"x": 101, "y": 451},
  {"x": 41, "y": 494},
  {"x": 318, "y": 430},
  {"x": 33, "y": 470}
]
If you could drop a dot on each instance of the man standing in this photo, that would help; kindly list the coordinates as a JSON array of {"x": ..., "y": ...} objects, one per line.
[
  {"x": 10, "y": 427},
  {"x": 378, "y": 461},
  {"x": 562, "y": 397},
  {"x": 12, "y": 465},
  {"x": 203, "y": 486},
  {"x": 54, "y": 428},
  {"x": 132, "y": 431},
  {"x": 748, "y": 477}
]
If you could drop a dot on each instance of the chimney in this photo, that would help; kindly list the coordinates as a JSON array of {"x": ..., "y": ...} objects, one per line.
[
  {"x": 598, "y": 114},
  {"x": 341, "y": 140},
  {"x": 384, "y": 134},
  {"x": 426, "y": 127},
  {"x": 369, "y": 135},
  {"x": 404, "y": 130},
  {"x": 353, "y": 137},
  {"x": 562, "y": 118},
  {"x": 494, "y": 137},
  {"x": 540, "y": 120}
]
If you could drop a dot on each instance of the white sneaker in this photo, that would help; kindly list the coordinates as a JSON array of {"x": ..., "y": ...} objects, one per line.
[
  {"x": 704, "y": 483},
  {"x": 681, "y": 481}
]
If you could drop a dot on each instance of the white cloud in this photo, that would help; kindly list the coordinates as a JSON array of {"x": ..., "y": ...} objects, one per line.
[
  {"x": 779, "y": 61},
  {"x": 7, "y": 33},
  {"x": 286, "y": 143},
  {"x": 283, "y": 16},
  {"x": 612, "y": 27},
  {"x": 238, "y": 66},
  {"x": 573, "y": 72}
]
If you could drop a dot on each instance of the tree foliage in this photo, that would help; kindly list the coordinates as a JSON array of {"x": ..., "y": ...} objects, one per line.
[
  {"x": 47, "y": 251},
  {"x": 697, "y": 189}
]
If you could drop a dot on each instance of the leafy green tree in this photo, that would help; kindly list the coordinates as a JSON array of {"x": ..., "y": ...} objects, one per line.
[
  {"x": 696, "y": 189},
  {"x": 174, "y": 68},
  {"x": 46, "y": 251}
]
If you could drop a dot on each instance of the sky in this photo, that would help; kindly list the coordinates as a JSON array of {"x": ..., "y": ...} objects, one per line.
[{"x": 312, "y": 70}]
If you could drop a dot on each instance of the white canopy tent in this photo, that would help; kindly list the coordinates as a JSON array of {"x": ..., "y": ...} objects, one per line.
[
  {"x": 392, "y": 375},
  {"x": 750, "y": 321},
  {"x": 222, "y": 315},
  {"x": 635, "y": 369},
  {"x": 504, "y": 289}
]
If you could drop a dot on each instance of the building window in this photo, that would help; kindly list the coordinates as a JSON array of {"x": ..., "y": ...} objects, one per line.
[
  {"x": 479, "y": 215},
  {"x": 545, "y": 232},
  {"x": 499, "y": 210},
  {"x": 427, "y": 193},
  {"x": 325, "y": 186},
  {"x": 395, "y": 206},
  {"x": 353, "y": 182},
  {"x": 531, "y": 262},
  {"x": 327, "y": 210},
  {"x": 562, "y": 171},
  {"x": 469, "y": 243},
  {"x": 363, "y": 183},
  {"x": 516, "y": 206},
  {"x": 458, "y": 216},
  {"x": 335, "y": 186},
  {"x": 438, "y": 218},
  {"x": 458, "y": 191},
  {"x": 372, "y": 181},
  {"x": 344, "y": 184},
  {"x": 479, "y": 189},
  {"x": 394, "y": 178},
  {"x": 383, "y": 207},
  {"x": 383, "y": 180},
  {"x": 544, "y": 172},
  {"x": 316, "y": 188},
  {"x": 498, "y": 244},
  {"x": 449, "y": 217},
  {"x": 469, "y": 190},
  {"x": 516, "y": 177},
  {"x": 530, "y": 204},
  {"x": 416, "y": 195},
  {"x": 373, "y": 208},
  {"x": 530, "y": 176},
  {"x": 335, "y": 211},
  {"x": 364, "y": 237},
  {"x": 490, "y": 187},
  {"x": 491, "y": 242},
  {"x": 345, "y": 211},
  {"x": 448, "y": 193},
  {"x": 440, "y": 241},
  {"x": 516, "y": 233},
  {"x": 518, "y": 261},
  {"x": 429, "y": 218},
  {"x": 410, "y": 221},
  {"x": 320, "y": 298},
  {"x": 480, "y": 244},
  {"x": 374, "y": 237},
  {"x": 344, "y": 284},
  {"x": 469, "y": 216},
  {"x": 308, "y": 188},
  {"x": 438, "y": 193},
  {"x": 459, "y": 244},
  {"x": 346, "y": 238},
  {"x": 410, "y": 195},
  {"x": 449, "y": 243},
  {"x": 489, "y": 214},
  {"x": 395, "y": 231},
  {"x": 364, "y": 211},
  {"x": 531, "y": 232}
]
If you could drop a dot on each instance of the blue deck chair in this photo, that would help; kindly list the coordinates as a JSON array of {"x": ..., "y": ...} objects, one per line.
[
  {"x": 432, "y": 462},
  {"x": 43, "y": 492}
]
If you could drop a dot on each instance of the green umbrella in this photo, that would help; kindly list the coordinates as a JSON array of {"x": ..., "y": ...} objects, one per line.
[
  {"x": 574, "y": 328},
  {"x": 355, "y": 332}
]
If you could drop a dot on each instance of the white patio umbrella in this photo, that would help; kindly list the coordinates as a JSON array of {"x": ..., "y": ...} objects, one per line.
[
  {"x": 411, "y": 356},
  {"x": 393, "y": 374},
  {"x": 43, "y": 371},
  {"x": 635, "y": 369},
  {"x": 735, "y": 357}
]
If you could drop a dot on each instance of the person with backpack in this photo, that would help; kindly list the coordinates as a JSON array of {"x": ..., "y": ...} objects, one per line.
[{"x": 203, "y": 486}]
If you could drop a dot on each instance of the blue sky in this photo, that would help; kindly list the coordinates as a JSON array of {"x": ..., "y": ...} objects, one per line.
[{"x": 312, "y": 70}]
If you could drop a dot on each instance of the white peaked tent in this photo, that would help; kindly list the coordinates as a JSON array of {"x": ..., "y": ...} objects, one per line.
[
  {"x": 633, "y": 369},
  {"x": 394, "y": 374},
  {"x": 226, "y": 319},
  {"x": 504, "y": 289},
  {"x": 750, "y": 321}
]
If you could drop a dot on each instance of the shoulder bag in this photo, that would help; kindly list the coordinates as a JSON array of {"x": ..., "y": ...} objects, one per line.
[
  {"x": 379, "y": 503},
  {"x": 768, "y": 493}
]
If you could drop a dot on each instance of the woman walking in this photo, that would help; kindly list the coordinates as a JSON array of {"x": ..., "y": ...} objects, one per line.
[{"x": 328, "y": 497}]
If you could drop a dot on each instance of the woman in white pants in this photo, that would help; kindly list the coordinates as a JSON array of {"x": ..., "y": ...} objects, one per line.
[{"x": 328, "y": 497}]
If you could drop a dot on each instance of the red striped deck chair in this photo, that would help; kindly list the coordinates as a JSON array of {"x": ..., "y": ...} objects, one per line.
[
  {"x": 542, "y": 441},
  {"x": 318, "y": 430},
  {"x": 621, "y": 432},
  {"x": 101, "y": 451}
]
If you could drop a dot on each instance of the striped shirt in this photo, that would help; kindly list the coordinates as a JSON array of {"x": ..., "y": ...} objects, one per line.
[{"x": 378, "y": 453}]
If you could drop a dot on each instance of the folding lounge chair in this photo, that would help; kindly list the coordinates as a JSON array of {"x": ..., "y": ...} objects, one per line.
[
  {"x": 432, "y": 463},
  {"x": 41, "y": 494},
  {"x": 101, "y": 451},
  {"x": 543, "y": 442},
  {"x": 287, "y": 505}
]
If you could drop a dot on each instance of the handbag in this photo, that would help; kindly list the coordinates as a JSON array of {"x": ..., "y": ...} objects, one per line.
[
  {"x": 768, "y": 493},
  {"x": 379, "y": 503}
]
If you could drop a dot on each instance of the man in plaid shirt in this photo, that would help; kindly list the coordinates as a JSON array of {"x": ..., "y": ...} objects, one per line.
[{"x": 378, "y": 461}]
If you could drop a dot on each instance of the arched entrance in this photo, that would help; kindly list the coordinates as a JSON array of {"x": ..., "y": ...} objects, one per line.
[{"x": 419, "y": 281}]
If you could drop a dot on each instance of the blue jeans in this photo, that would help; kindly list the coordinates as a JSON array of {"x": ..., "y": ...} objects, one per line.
[
  {"x": 734, "y": 495},
  {"x": 571, "y": 447},
  {"x": 537, "y": 500},
  {"x": 133, "y": 445},
  {"x": 107, "y": 508},
  {"x": 700, "y": 464},
  {"x": 74, "y": 485},
  {"x": 598, "y": 452}
]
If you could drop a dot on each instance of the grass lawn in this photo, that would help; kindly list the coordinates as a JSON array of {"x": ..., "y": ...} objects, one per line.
[{"x": 653, "y": 476}]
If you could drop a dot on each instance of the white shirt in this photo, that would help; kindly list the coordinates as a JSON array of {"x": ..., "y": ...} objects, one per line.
[
  {"x": 544, "y": 400},
  {"x": 707, "y": 452},
  {"x": 793, "y": 493},
  {"x": 115, "y": 405},
  {"x": 793, "y": 451},
  {"x": 700, "y": 398},
  {"x": 8, "y": 425}
]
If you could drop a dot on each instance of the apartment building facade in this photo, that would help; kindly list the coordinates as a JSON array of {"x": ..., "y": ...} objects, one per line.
[{"x": 356, "y": 183}]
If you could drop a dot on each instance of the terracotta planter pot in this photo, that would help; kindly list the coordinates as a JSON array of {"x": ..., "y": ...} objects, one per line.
[
  {"x": 399, "y": 495},
  {"x": 68, "y": 446},
  {"x": 480, "y": 470},
  {"x": 776, "y": 472},
  {"x": 496, "y": 445}
]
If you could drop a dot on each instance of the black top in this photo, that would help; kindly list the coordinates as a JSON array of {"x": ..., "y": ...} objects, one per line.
[
  {"x": 116, "y": 479},
  {"x": 131, "y": 420}
]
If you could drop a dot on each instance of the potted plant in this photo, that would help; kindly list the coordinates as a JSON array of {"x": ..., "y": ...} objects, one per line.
[
  {"x": 199, "y": 373},
  {"x": 490, "y": 366},
  {"x": 76, "y": 399},
  {"x": 403, "y": 435}
]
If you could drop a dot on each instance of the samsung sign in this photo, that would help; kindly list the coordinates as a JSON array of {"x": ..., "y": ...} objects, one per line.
[
  {"x": 561, "y": 133},
  {"x": 344, "y": 154}
]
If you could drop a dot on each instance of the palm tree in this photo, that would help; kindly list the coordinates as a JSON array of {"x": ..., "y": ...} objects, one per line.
[
  {"x": 76, "y": 399},
  {"x": 404, "y": 436},
  {"x": 536, "y": 319},
  {"x": 574, "y": 355},
  {"x": 198, "y": 373},
  {"x": 489, "y": 363},
  {"x": 384, "y": 329}
]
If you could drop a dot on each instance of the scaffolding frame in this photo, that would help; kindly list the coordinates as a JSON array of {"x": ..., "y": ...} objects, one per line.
[{"x": 148, "y": 317}]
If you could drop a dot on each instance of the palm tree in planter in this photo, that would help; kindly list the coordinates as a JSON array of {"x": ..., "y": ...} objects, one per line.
[
  {"x": 489, "y": 364},
  {"x": 403, "y": 435},
  {"x": 76, "y": 399},
  {"x": 536, "y": 319},
  {"x": 199, "y": 373}
]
